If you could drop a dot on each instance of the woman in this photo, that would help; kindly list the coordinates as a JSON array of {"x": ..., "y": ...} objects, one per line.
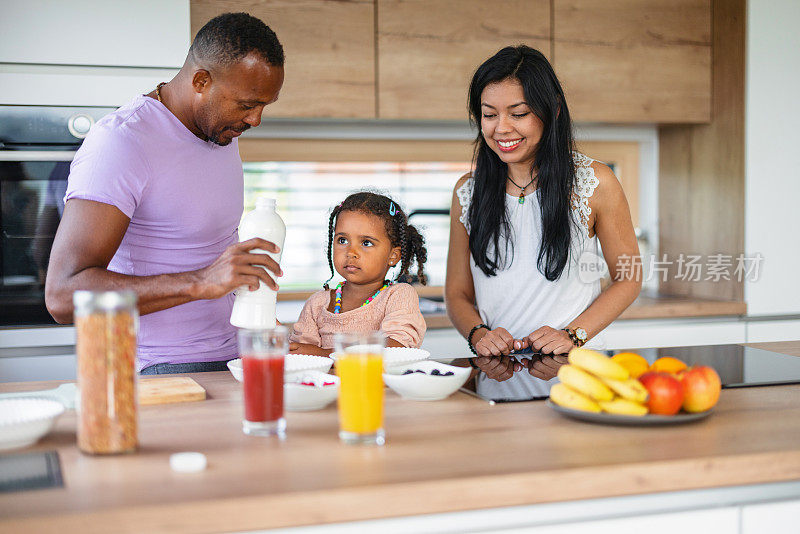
[{"x": 524, "y": 223}]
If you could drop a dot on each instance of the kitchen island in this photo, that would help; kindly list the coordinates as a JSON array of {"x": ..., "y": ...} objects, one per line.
[{"x": 443, "y": 457}]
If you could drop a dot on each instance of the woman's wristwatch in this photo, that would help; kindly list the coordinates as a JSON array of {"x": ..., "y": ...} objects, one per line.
[{"x": 578, "y": 336}]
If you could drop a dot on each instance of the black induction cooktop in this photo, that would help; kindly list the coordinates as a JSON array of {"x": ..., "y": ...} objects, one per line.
[{"x": 737, "y": 365}]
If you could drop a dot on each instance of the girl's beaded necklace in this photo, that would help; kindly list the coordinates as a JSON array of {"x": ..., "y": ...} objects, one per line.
[{"x": 337, "y": 303}]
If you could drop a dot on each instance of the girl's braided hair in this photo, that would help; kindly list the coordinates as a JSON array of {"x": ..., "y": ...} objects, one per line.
[{"x": 401, "y": 234}]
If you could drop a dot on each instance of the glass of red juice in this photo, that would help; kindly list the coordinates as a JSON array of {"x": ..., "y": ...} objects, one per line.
[{"x": 262, "y": 353}]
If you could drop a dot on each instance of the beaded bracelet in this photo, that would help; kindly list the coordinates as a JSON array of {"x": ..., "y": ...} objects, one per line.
[{"x": 469, "y": 338}]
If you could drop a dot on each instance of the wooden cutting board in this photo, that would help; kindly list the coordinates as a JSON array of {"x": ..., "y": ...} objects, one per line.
[{"x": 170, "y": 389}]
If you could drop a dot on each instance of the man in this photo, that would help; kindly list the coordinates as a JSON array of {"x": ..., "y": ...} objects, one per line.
[{"x": 155, "y": 195}]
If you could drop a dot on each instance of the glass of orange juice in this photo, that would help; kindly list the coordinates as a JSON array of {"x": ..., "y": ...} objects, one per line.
[{"x": 359, "y": 363}]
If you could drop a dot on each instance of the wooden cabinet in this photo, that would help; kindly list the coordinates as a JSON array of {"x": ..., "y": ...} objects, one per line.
[
  {"x": 330, "y": 60},
  {"x": 619, "y": 60},
  {"x": 634, "y": 60},
  {"x": 701, "y": 181},
  {"x": 428, "y": 51}
]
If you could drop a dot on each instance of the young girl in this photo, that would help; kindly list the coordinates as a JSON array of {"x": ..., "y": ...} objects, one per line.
[
  {"x": 522, "y": 224},
  {"x": 367, "y": 235}
]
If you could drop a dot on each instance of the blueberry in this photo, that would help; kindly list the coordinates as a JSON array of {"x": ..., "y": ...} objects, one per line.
[
  {"x": 449, "y": 373},
  {"x": 420, "y": 371},
  {"x": 408, "y": 372},
  {"x": 435, "y": 372}
]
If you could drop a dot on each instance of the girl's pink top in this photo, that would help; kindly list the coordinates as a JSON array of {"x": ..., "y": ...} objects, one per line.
[{"x": 395, "y": 311}]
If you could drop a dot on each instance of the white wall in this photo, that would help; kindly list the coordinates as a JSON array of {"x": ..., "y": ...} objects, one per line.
[
  {"x": 144, "y": 33},
  {"x": 772, "y": 142},
  {"x": 89, "y": 52}
]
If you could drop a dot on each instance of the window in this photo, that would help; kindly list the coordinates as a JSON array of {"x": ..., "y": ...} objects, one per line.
[{"x": 307, "y": 191}]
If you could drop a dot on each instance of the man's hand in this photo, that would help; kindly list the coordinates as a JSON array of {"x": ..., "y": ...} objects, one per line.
[{"x": 237, "y": 267}]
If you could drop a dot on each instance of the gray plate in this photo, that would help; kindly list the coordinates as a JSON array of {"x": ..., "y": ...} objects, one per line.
[{"x": 629, "y": 420}]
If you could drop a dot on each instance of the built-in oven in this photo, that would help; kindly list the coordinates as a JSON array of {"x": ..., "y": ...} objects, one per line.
[{"x": 37, "y": 144}]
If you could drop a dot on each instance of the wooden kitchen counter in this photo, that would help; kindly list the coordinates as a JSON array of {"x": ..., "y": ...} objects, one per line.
[{"x": 451, "y": 455}]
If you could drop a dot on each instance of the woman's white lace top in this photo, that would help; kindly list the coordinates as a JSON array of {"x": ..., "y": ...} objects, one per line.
[{"x": 519, "y": 298}]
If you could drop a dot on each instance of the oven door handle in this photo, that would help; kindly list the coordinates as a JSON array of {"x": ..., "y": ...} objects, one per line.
[{"x": 37, "y": 155}]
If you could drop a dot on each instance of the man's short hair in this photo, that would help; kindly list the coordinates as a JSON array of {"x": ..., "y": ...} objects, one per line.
[{"x": 229, "y": 37}]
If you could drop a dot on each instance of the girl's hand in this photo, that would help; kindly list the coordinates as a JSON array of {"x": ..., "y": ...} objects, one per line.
[
  {"x": 547, "y": 340},
  {"x": 305, "y": 348}
]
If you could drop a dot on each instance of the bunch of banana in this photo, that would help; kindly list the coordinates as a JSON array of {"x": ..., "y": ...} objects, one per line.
[{"x": 593, "y": 382}]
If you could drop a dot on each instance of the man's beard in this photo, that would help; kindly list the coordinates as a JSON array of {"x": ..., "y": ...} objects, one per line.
[{"x": 215, "y": 138}]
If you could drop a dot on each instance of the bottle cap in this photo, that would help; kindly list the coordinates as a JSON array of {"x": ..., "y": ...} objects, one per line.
[
  {"x": 188, "y": 462},
  {"x": 265, "y": 202}
]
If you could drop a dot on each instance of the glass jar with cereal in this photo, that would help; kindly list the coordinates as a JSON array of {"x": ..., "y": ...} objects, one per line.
[{"x": 106, "y": 325}]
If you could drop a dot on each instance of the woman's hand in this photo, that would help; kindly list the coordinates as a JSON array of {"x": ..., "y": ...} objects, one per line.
[
  {"x": 547, "y": 340},
  {"x": 498, "y": 368},
  {"x": 497, "y": 342},
  {"x": 545, "y": 367},
  {"x": 493, "y": 348},
  {"x": 553, "y": 344}
]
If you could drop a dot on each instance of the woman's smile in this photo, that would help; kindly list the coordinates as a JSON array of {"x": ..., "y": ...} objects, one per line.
[{"x": 507, "y": 145}]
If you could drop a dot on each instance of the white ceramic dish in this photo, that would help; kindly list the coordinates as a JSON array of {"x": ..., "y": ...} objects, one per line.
[
  {"x": 66, "y": 394},
  {"x": 425, "y": 387},
  {"x": 293, "y": 364},
  {"x": 397, "y": 356},
  {"x": 300, "y": 398},
  {"x": 23, "y": 421}
]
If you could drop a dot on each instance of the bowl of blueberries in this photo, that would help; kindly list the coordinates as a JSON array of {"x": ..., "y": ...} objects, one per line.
[{"x": 425, "y": 380}]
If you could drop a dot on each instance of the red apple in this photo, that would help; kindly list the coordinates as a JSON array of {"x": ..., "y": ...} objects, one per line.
[
  {"x": 702, "y": 386},
  {"x": 666, "y": 392}
]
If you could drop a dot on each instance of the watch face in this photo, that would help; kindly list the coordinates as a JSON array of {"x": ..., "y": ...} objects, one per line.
[{"x": 581, "y": 334}]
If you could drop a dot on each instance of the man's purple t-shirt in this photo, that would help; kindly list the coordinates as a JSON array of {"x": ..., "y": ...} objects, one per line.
[{"x": 184, "y": 197}]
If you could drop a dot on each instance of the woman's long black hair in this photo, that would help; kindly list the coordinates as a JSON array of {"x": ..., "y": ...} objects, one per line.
[
  {"x": 553, "y": 163},
  {"x": 401, "y": 234}
]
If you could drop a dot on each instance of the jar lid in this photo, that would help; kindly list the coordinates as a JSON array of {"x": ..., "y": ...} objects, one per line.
[
  {"x": 188, "y": 462},
  {"x": 104, "y": 300}
]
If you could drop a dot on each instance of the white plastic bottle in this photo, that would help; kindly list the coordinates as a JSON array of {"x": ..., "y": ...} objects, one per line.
[{"x": 256, "y": 309}]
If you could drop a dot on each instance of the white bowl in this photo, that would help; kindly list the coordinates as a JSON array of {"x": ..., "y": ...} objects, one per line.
[
  {"x": 425, "y": 387},
  {"x": 23, "y": 421},
  {"x": 293, "y": 364},
  {"x": 300, "y": 398},
  {"x": 395, "y": 356}
]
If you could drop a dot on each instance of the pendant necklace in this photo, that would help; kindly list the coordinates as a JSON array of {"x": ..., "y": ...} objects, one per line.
[
  {"x": 337, "y": 303},
  {"x": 521, "y": 198}
]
